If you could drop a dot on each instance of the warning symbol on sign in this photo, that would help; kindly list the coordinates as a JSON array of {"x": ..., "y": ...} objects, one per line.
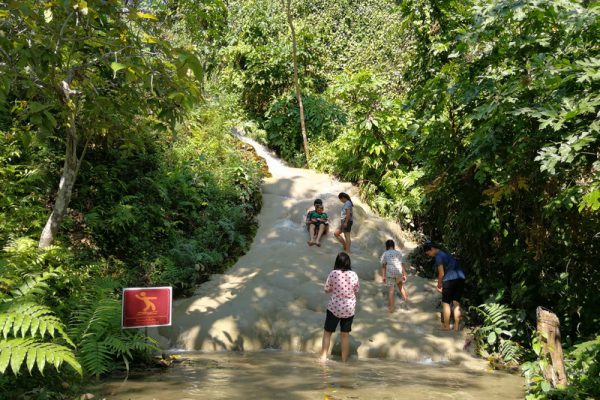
[{"x": 146, "y": 307}]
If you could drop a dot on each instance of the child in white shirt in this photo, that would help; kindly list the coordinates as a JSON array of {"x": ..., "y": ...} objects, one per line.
[{"x": 393, "y": 273}]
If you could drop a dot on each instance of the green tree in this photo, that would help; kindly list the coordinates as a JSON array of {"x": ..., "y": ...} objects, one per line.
[
  {"x": 287, "y": 4},
  {"x": 82, "y": 72}
]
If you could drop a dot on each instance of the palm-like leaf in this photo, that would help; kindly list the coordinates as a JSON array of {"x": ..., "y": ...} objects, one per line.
[
  {"x": 101, "y": 339},
  {"x": 16, "y": 351},
  {"x": 21, "y": 316},
  {"x": 494, "y": 336},
  {"x": 33, "y": 285},
  {"x": 28, "y": 318}
]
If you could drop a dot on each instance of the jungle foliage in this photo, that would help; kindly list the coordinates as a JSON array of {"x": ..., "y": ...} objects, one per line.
[
  {"x": 118, "y": 94},
  {"x": 475, "y": 123}
]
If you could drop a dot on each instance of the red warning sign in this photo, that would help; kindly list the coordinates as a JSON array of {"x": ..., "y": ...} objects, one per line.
[{"x": 146, "y": 307}]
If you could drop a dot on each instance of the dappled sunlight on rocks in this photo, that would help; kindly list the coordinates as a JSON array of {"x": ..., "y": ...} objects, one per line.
[{"x": 273, "y": 296}]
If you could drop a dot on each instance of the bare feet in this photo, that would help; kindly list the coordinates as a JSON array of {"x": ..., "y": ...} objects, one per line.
[
  {"x": 318, "y": 244},
  {"x": 311, "y": 243}
]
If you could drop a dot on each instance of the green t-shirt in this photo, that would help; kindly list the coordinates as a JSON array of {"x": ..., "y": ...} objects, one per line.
[{"x": 315, "y": 215}]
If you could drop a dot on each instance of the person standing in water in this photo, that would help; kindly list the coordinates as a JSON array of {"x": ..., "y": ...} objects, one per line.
[
  {"x": 342, "y": 285},
  {"x": 393, "y": 272},
  {"x": 451, "y": 283},
  {"x": 346, "y": 222}
]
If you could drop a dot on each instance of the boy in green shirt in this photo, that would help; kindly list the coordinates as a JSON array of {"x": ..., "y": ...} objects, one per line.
[{"x": 318, "y": 223}]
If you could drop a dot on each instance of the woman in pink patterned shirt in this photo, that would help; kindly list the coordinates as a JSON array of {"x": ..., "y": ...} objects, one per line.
[{"x": 342, "y": 285}]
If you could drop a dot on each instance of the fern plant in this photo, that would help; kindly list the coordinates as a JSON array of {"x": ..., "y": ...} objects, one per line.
[
  {"x": 102, "y": 341},
  {"x": 25, "y": 326},
  {"x": 494, "y": 338}
]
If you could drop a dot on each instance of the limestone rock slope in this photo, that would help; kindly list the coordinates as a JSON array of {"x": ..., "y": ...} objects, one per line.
[{"x": 273, "y": 296}]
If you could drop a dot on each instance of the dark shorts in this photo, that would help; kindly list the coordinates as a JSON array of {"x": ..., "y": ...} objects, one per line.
[
  {"x": 452, "y": 290},
  {"x": 331, "y": 323},
  {"x": 348, "y": 227},
  {"x": 316, "y": 224}
]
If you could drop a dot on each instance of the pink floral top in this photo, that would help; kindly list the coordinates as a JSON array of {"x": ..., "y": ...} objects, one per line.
[{"x": 342, "y": 287}]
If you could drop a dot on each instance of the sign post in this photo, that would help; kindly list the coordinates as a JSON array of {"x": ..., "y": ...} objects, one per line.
[{"x": 144, "y": 307}]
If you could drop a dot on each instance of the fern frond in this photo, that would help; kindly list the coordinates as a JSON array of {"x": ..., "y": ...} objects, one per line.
[
  {"x": 497, "y": 315},
  {"x": 16, "y": 351},
  {"x": 23, "y": 253},
  {"x": 5, "y": 284},
  {"x": 118, "y": 346},
  {"x": 494, "y": 336},
  {"x": 33, "y": 285},
  {"x": 30, "y": 318},
  {"x": 19, "y": 246},
  {"x": 101, "y": 341},
  {"x": 97, "y": 318},
  {"x": 98, "y": 327},
  {"x": 510, "y": 351},
  {"x": 124, "y": 344},
  {"x": 142, "y": 343},
  {"x": 95, "y": 355}
]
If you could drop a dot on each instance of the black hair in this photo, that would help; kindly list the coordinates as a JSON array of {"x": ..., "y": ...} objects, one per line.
[
  {"x": 318, "y": 201},
  {"x": 343, "y": 195},
  {"x": 389, "y": 244},
  {"x": 342, "y": 261},
  {"x": 428, "y": 245}
]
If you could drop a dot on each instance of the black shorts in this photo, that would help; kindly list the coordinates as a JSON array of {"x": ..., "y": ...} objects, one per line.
[
  {"x": 452, "y": 290},
  {"x": 331, "y": 323},
  {"x": 348, "y": 227},
  {"x": 316, "y": 224}
]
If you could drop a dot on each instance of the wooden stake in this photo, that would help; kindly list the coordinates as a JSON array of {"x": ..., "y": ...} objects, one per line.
[{"x": 548, "y": 327}]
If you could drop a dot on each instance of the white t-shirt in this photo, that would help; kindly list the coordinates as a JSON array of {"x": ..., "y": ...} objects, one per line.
[
  {"x": 393, "y": 261},
  {"x": 347, "y": 208}
]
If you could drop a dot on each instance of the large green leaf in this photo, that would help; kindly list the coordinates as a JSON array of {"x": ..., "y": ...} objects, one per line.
[
  {"x": 16, "y": 351},
  {"x": 116, "y": 66}
]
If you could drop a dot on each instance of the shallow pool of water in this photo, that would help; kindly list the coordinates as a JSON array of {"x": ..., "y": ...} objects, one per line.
[{"x": 290, "y": 376}]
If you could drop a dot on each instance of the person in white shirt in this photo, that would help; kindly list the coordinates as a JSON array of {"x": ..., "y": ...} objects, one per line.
[
  {"x": 342, "y": 233},
  {"x": 393, "y": 272}
]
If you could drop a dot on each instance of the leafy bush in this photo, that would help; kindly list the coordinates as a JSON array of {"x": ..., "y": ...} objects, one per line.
[
  {"x": 102, "y": 341},
  {"x": 582, "y": 363},
  {"x": 258, "y": 60},
  {"x": 24, "y": 182},
  {"x": 374, "y": 147},
  {"x": 497, "y": 337},
  {"x": 190, "y": 198},
  {"x": 322, "y": 119},
  {"x": 32, "y": 334},
  {"x": 492, "y": 193}
]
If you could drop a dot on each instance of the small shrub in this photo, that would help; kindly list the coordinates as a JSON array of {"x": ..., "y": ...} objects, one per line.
[{"x": 495, "y": 338}]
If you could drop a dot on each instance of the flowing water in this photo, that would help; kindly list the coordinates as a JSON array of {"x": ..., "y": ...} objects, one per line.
[
  {"x": 291, "y": 376},
  {"x": 273, "y": 298}
]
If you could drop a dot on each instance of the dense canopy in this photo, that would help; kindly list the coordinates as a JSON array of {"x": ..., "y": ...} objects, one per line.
[{"x": 474, "y": 123}]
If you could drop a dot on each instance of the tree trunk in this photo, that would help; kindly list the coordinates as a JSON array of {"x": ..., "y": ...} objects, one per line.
[
  {"x": 65, "y": 187},
  {"x": 548, "y": 328},
  {"x": 287, "y": 6}
]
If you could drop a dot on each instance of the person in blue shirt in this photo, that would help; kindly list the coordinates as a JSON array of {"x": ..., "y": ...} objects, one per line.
[{"x": 451, "y": 284}]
